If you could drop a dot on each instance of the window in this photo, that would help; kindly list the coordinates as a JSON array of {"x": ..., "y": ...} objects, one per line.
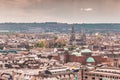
[
  {"x": 93, "y": 78},
  {"x": 86, "y": 77},
  {"x": 100, "y": 79}
]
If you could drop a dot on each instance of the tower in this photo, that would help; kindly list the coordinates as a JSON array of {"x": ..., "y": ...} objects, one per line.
[
  {"x": 83, "y": 36},
  {"x": 72, "y": 36}
]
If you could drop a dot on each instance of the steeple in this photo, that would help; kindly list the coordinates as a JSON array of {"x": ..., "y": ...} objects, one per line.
[
  {"x": 72, "y": 36},
  {"x": 72, "y": 30},
  {"x": 83, "y": 35}
]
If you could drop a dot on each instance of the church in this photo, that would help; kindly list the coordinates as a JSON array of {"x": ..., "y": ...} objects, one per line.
[
  {"x": 79, "y": 40},
  {"x": 82, "y": 55}
]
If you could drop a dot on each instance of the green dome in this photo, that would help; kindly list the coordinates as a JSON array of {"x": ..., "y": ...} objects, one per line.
[
  {"x": 86, "y": 51},
  {"x": 76, "y": 53},
  {"x": 77, "y": 48},
  {"x": 90, "y": 59},
  {"x": 66, "y": 49}
]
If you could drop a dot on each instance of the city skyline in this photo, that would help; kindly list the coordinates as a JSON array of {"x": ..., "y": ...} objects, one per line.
[{"x": 65, "y": 11}]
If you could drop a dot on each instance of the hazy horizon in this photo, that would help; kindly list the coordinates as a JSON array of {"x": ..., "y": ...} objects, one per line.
[
  {"x": 62, "y": 11},
  {"x": 55, "y": 22}
]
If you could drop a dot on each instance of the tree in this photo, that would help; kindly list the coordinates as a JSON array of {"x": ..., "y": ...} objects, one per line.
[
  {"x": 60, "y": 43},
  {"x": 41, "y": 44}
]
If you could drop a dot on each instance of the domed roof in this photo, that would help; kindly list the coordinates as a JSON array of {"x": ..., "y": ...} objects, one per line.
[
  {"x": 76, "y": 53},
  {"x": 66, "y": 49},
  {"x": 86, "y": 51},
  {"x": 90, "y": 59},
  {"x": 77, "y": 48}
]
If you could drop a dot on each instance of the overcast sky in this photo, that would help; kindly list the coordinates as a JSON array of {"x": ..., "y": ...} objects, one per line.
[{"x": 66, "y": 11}]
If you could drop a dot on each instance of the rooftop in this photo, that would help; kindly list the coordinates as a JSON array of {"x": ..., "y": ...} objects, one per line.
[
  {"x": 76, "y": 53},
  {"x": 90, "y": 59},
  {"x": 86, "y": 51}
]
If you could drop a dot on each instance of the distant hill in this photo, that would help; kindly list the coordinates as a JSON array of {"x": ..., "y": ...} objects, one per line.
[{"x": 58, "y": 27}]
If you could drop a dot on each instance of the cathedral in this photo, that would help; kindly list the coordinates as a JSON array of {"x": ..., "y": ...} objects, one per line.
[{"x": 79, "y": 40}]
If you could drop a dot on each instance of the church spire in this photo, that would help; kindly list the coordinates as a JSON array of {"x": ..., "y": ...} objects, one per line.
[{"x": 72, "y": 36}]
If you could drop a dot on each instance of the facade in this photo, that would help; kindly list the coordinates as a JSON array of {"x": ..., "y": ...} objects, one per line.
[
  {"x": 102, "y": 74},
  {"x": 79, "y": 40},
  {"x": 84, "y": 57}
]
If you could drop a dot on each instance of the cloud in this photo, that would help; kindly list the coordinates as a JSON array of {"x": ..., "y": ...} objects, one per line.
[
  {"x": 18, "y": 3},
  {"x": 87, "y": 9},
  {"x": 59, "y": 10}
]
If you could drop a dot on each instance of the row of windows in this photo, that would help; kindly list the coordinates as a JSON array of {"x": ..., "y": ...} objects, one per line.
[
  {"x": 60, "y": 72},
  {"x": 98, "y": 75},
  {"x": 94, "y": 78},
  {"x": 115, "y": 72}
]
